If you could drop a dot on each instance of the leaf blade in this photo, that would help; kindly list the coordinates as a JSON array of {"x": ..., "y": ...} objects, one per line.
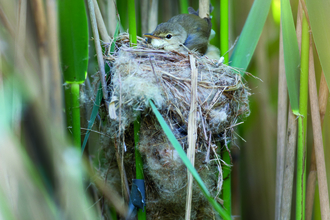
[
  {"x": 250, "y": 35},
  {"x": 291, "y": 55},
  {"x": 73, "y": 40},
  {"x": 319, "y": 17}
]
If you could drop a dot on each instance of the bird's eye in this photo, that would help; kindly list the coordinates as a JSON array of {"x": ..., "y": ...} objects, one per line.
[{"x": 169, "y": 36}]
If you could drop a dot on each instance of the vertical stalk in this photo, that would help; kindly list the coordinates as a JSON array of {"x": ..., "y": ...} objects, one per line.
[
  {"x": 215, "y": 41},
  {"x": 291, "y": 140},
  {"x": 132, "y": 21},
  {"x": 153, "y": 16},
  {"x": 290, "y": 155},
  {"x": 302, "y": 122},
  {"x": 56, "y": 99},
  {"x": 192, "y": 134},
  {"x": 318, "y": 140},
  {"x": 144, "y": 16},
  {"x": 311, "y": 180},
  {"x": 226, "y": 188},
  {"x": 100, "y": 23},
  {"x": 98, "y": 48},
  {"x": 317, "y": 204},
  {"x": 74, "y": 40},
  {"x": 122, "y": 10},
  {"x": 113, "y": 213},
  {"x": 281, "y": 129},
  {"x": 224, "y": 30},
  {"x": 138, "y": 160},
  {"x": 204, "y": 8},
  {"x": 184, "y": 6},
  {"x": 41, "y": 24},
  {"x": 20, "y": 44},
  {"x": 138, "y": 157},
  {"x": 68, "y": 113},
  {"x": 111, "y": 11},
  {"x": 76, "y": 115}
]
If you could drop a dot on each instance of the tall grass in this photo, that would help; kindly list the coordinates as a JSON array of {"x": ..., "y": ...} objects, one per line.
[
  {"x": 291, "y": 56},
  {"x": 302, "y": 123},
  {"x": 74, "y": 54},
  {"x": 132, "y": 21},
  {"x": 224, "y": 47}
]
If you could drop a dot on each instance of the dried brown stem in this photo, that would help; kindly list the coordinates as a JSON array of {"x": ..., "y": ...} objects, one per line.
[
  {"x": 123, "y": 176},
  {"x": 282, "y": 107},
  {"x": 56, "y": 99},
  {"x": 5, "y": 22},
  {"x": 289, "y": 166},
  {"x": 311, "y": 181},
  {"x": 41, "y": 25},
  {"x": 111, "y": 16},
  {"x": 303, "y": 5},
  {"x": 204, "y": 8},
  {"x": 20, "y": 45},
  {"x": 310, "y": 189},
  {"x": 144, "y": 16},
  {"x": 192, "y": 133},
  {"x": 290, "y": 153},
  {"x": 120, "y": 157},
  {"x": 21, "y": 28},
  {"x": 153, "y": 16},
  {"x": 318, "y": 142},
  {"x": 100, "y": 23},
  {"x": 40, "y": 20},
  {"x": 323, "y": 97},
  {"x": 98, "y": 49}
]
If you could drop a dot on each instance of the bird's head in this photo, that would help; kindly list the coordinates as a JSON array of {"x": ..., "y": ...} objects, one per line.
[{"x": 168, "y": 36}]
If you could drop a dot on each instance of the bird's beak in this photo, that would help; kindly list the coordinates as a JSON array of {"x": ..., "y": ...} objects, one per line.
[{"x": 151, "y": 36}]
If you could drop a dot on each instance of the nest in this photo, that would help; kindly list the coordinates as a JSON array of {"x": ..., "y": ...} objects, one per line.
[{"x": 143, "y": 73}]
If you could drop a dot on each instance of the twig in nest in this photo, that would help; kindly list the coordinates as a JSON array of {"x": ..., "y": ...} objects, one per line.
[
  {"x": 85, "y": 129},
  {"x": 207, "y": 158},
  {"x": 220, "y": 176},
  {"x": 202, "y": 119}
]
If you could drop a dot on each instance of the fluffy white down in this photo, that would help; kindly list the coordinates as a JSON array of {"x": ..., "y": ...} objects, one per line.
[
  {"x": 136, "y": 88},
  {"x": 218, "y": 116}
]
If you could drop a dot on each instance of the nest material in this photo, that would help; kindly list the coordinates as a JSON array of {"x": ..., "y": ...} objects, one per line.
[
  {"x": 143, "y": 73},
  {"x": 140, "y": 74}
]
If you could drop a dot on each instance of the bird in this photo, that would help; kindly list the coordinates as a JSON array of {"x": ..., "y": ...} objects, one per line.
[{"x": 184, "y": 29}]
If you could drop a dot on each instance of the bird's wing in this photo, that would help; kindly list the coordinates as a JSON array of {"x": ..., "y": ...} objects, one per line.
[
  {"x": 192, "y": 11},
  {"x": 195, "y": 41}
]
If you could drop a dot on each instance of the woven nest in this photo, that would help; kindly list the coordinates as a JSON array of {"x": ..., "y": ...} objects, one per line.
[{"x": 143, "y": 73}]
